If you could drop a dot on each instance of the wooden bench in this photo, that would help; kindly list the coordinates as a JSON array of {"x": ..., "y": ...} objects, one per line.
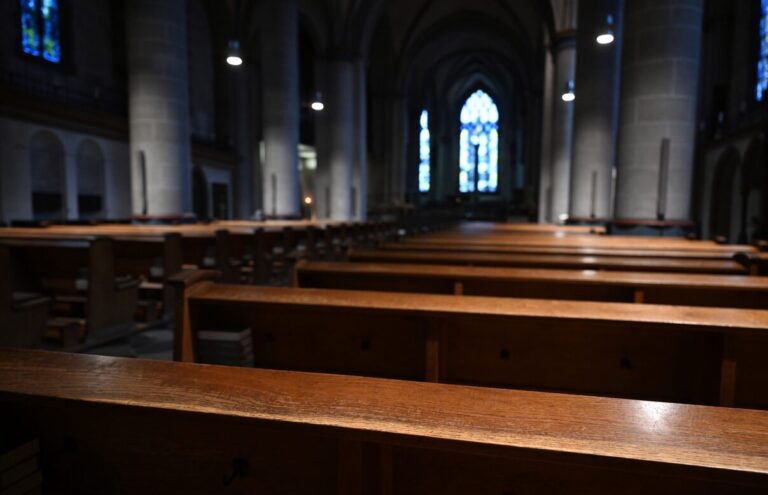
[
  {"x": 80, "y": 277},
  {"x": 597, "y": 241},
  {"x": 562, "y": 250},
  {"x": 22, "y": 315},
  {"x": 473, "y": 228},
  {"x": 132, "y": 426},
  {"x": 551, "y": 261},
  {"x": 676, "y": 353},
  {"x": 735, "y": 291}
]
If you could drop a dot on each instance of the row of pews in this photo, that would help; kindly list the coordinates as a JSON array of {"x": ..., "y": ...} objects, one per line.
[
  {"x": 427, "y": 373},
  {"x": 84, "y": 285}
]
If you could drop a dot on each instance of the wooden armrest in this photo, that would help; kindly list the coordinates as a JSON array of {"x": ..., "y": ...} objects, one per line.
[
  {"x": 151, "y": 286},
  {"x": 188, "y": 278},
  {"x": 29, "y": 301},
  {"x": 126, "y": 283}
]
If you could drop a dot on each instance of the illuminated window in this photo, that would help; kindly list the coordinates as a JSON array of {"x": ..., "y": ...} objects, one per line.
[
  {"x": 424, "y": 152},
  {"x": 479, "y": 144},
  {"x": 762, "y": 63},
  {"x": 40, "y": 35}
]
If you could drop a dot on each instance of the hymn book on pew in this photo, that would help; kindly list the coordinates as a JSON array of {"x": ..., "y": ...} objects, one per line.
[{"x": 226, "y": 347}]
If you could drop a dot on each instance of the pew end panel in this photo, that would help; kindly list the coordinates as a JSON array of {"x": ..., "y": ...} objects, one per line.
[{"x": 182, "y": 285}]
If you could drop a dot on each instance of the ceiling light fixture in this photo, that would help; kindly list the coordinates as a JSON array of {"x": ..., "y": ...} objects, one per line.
[
  {"x": 317, "y": 104},
  {"x": 568, "y": 94},
  {"x": 233, "y": 53},
  {"x": 606, "y": 37}
]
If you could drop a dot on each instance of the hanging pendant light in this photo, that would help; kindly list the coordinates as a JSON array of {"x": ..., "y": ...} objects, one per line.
[
  {"x": 606, "y": 36},
  {"x": 568, "y": 94},
  {"x": 233, "y": 53},
  {"x": 317, "y": 103}
]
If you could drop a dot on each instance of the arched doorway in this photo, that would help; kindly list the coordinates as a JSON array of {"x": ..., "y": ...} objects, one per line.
[
  {"x": 46, "y": 158},
  {"x": 90, "y": 180}
]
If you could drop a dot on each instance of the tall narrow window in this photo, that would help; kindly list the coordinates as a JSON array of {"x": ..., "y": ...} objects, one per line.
[
  {"x": 479, "y": 144},
  {"x": 762, "y": 63},
  {"x": 424, "y": 152},
  {"x": 40, "y": 35}
]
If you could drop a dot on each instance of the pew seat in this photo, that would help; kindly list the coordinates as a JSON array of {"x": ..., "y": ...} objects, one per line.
[{"x": 133, "y": 426}]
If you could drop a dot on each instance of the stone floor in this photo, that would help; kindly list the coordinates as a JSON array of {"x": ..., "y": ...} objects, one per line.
[{"x": 149, "y": 344}]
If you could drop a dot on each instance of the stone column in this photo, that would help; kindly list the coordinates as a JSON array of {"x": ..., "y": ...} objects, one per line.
[
  {"x": 159, "y": 106},
  {"x": 361, "y": 141},
  {"x": 564, "y": 54},
  {"x": 280, "y": 171},
  {"x": 545, "y": 171},
  {"x": 340, "y": 118},
  {"x": 596, "y": 110},
  {"x": 660, "y": 67}
]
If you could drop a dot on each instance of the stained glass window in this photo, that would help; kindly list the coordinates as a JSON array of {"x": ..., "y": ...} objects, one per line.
[
  {"x": 762, "y": 63},
  {"x": 40, "y": 36},
  {"x": 479, "y": 144},
  {"x": 424, "y": 152}
]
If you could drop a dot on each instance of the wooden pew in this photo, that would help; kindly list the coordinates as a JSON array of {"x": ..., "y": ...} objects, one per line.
[
  {"x": 150, "y": 257},
  {"x": 735, "y": 291},
  {"x": 600, "y": 241},
  {"x": 77, "y": 274},
  {"x": 676, "y": 353},
  {"x": 22, "y": 316},
  {"x": 524, "y": 229},
  {"x": 511, "y": 249},
  {"x": 150, "y": 427},
  {"x": 552, "y": 261},
  {"x": 153, "y": 259}
]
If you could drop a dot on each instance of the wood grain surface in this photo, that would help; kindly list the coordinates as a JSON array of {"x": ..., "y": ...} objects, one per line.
[{"x": 697, "y": 436}]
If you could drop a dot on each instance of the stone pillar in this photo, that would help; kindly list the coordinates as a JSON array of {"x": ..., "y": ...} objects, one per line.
[
  {"x": 361, "y": 141},
  {"x": 596, "y": 110},
  {"x": 660, "y": 67},
  {"x": 71, "y": 205},
  {"x": 340, "y": 118},
  {"x": 159, "y": 106},
  {"x": 280, "y": 171},
  {"x": 564, "y": 54},
  {"x": 545, "y": 171}
]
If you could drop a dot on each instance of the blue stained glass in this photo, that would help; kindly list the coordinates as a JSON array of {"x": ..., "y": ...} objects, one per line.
[
  {"x": 762, "y": 64},
  {"x": 51, "y": 38},
  {"x": 30, "y": 39},
  {"x": 424, "y": 152},
  {"x": 479, "y": 144},
  {"x": 40, "y": 34}
]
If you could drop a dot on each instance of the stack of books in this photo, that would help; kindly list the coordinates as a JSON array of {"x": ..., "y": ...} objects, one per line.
[
  {"x": 19, "y": 470},
  {"x": 233, "y": 348}
]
